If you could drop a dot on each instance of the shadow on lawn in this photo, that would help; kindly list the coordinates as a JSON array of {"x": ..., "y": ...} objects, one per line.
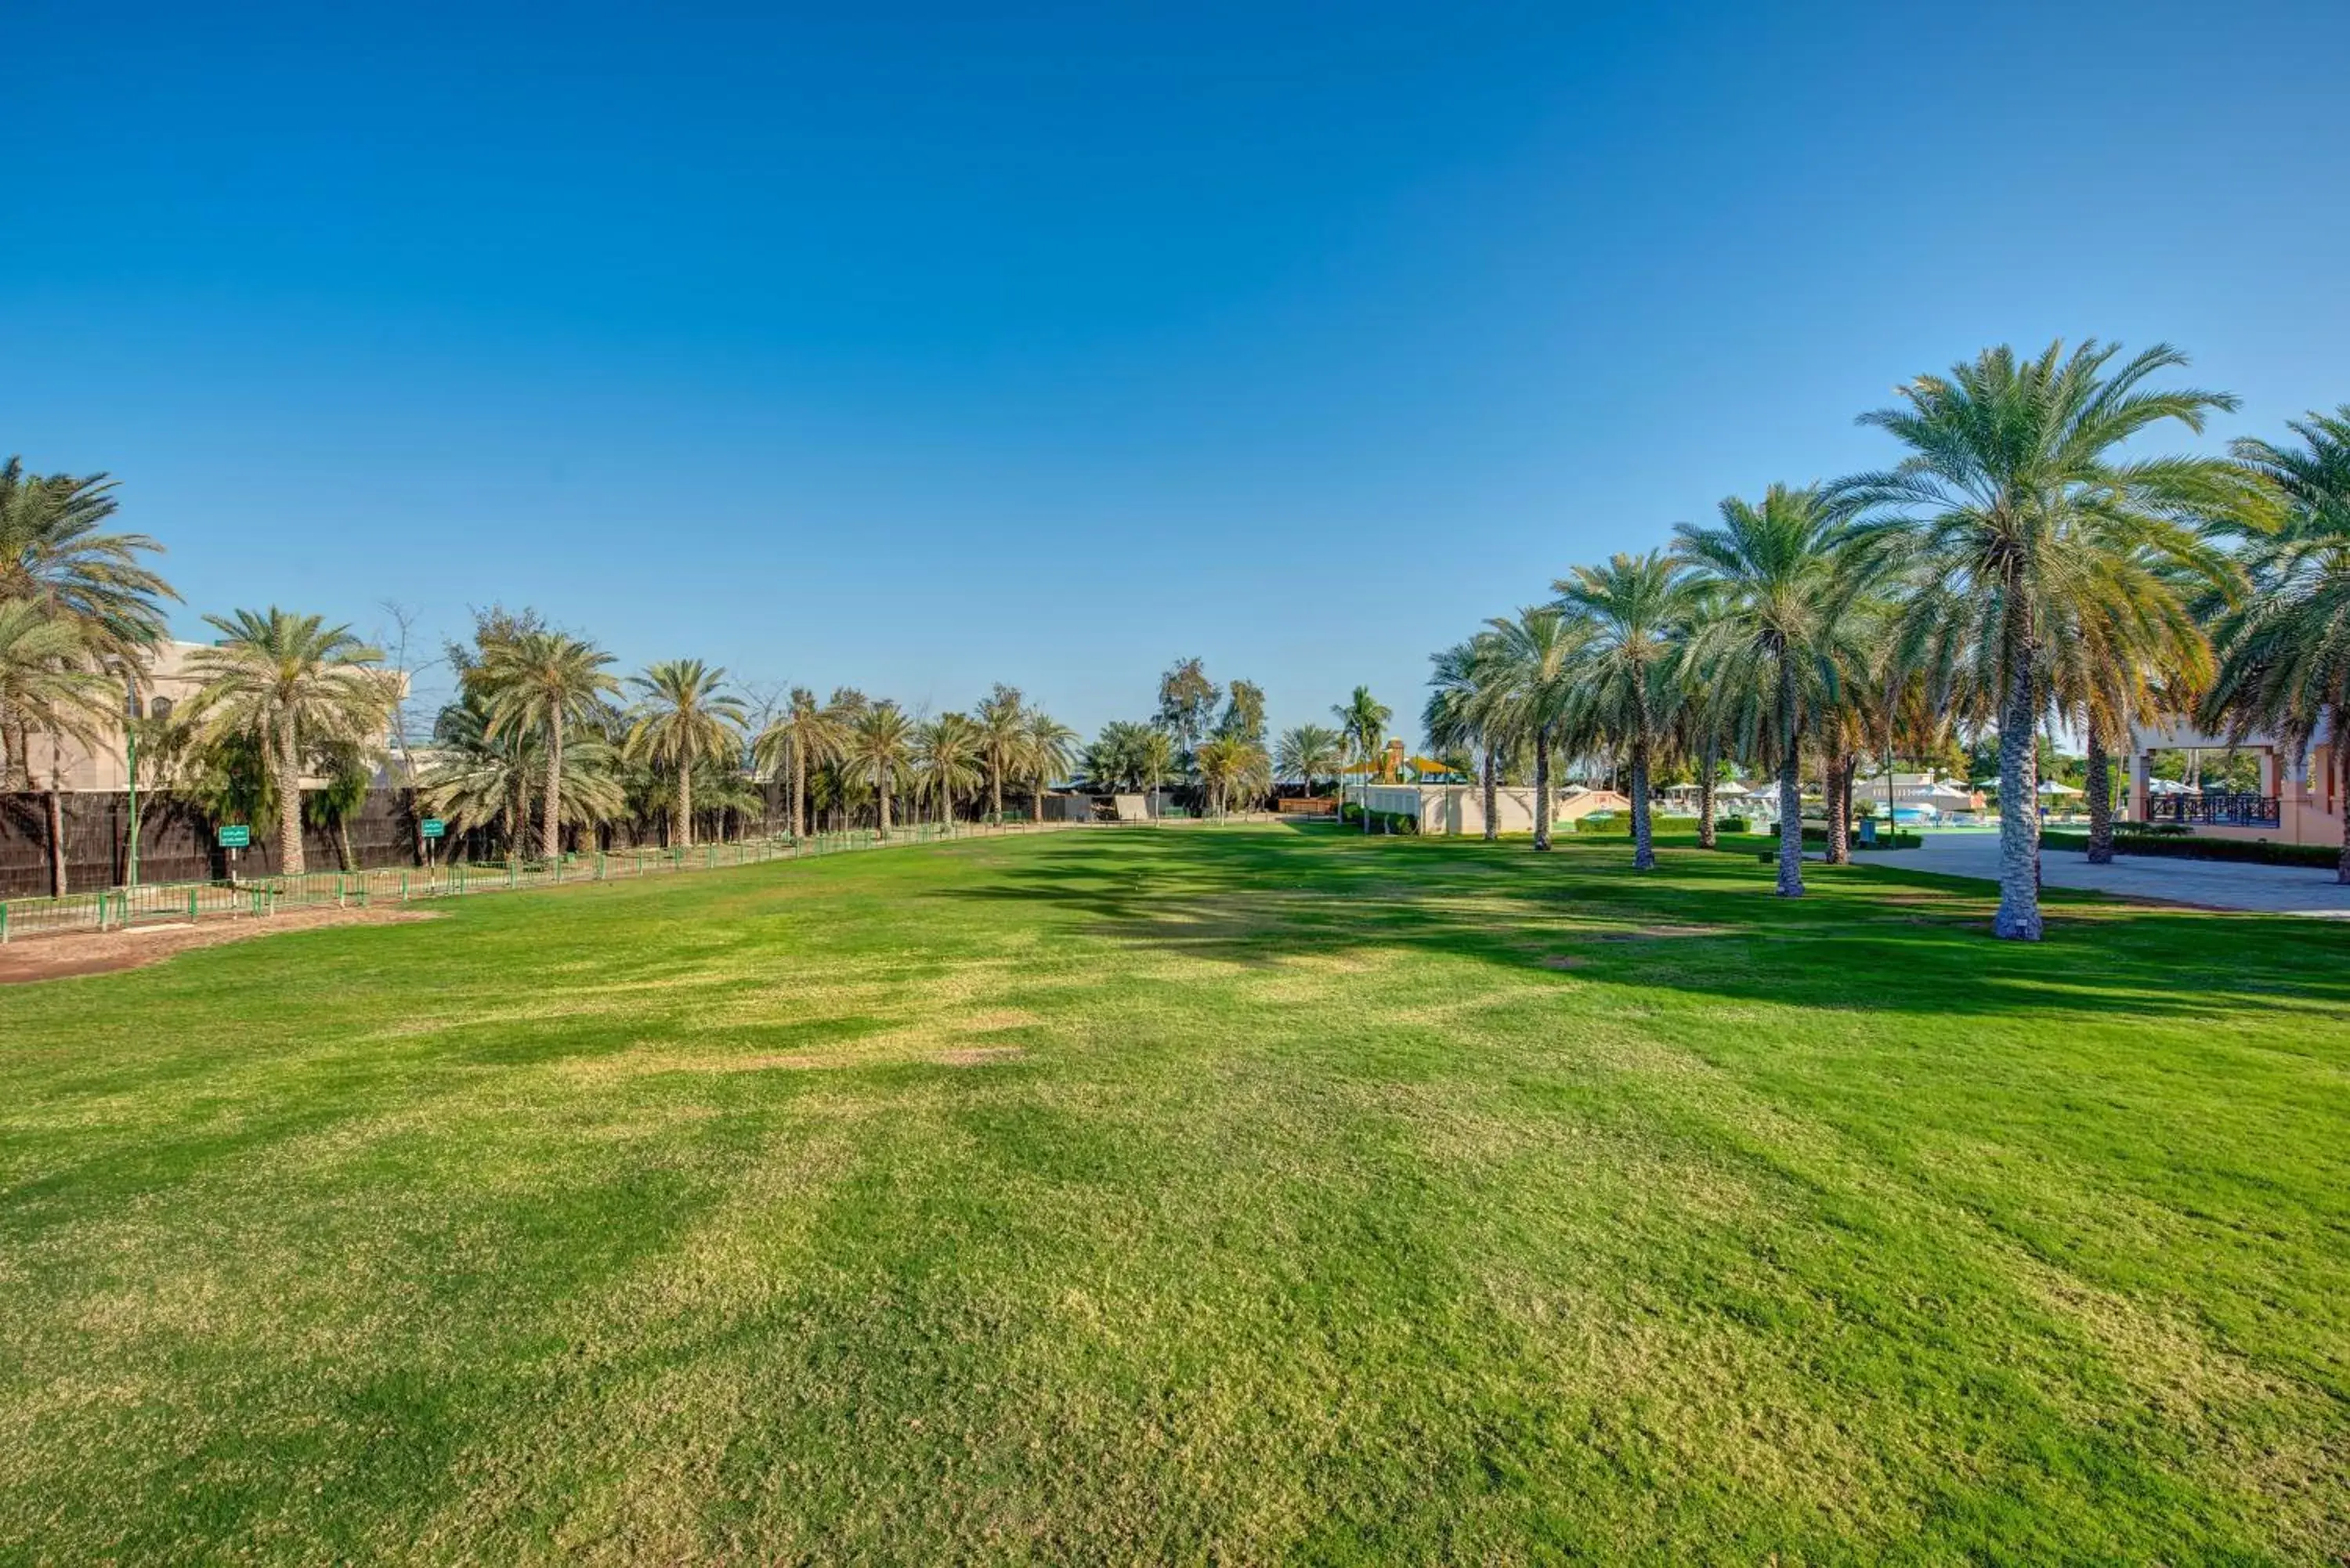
[{"x": 1703, "y": 921}]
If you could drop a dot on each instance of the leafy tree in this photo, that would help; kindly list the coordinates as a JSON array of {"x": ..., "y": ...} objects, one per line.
[
  {"x": 683, "y": 716},
  {"x": 1187, "y": 701},
  {"x": 291, "y": 683},
  {"x": 2284, "y": 649},
  {"x": 540, "y": 681},
  {"x": 347, "y": 774},
  {"x": 1244, "y": 717},
  {"x": 1230, "y": 766},
  {"x": 2012, "y": 498}
]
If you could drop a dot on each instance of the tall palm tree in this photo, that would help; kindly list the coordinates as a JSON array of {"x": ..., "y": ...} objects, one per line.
[
  {"x": 1780, "y": 581},
  {"x": 1155, "y": 758},
  {"x": 1533, "y": 656},
  {"x": 808, "y": 732},
  {"x": 54, "y": 551},
  {"x": 540, "y": 681},
  {"x": 946, "y": 757},
  {"x": 2012, "y": 495},
  {"x": 1632, "y": 614},
  {"x": 48, "y": 681},
  {"x": 880, "y": 742},
  {"x": 1463, "y": 711},
  {"x": 2284, "y": 647},
  {"x": 1307, "y": 749},
  {"x": 683, "y": 715},
  {"x": 1003, "y": 724},
  {"x": 291, "y": 683},
  {"x": 1363, "y": 720},
  {"x": 1048, "y": 750}
]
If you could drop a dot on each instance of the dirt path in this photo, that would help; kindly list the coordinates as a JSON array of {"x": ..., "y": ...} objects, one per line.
[{"x": 94, "y": 952}]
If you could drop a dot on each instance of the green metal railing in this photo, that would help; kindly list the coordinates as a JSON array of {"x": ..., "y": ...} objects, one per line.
[{"x": 161, "y": 903}]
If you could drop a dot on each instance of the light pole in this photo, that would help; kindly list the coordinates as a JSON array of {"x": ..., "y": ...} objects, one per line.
[{"x": 130, "y": 766}]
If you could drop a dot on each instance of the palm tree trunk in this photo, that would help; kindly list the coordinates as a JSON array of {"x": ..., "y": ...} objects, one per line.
[
  {"x": 2341, "y": 759},
  {"x": 346, "y": 859},
  {"x": 1036, "y": 800},
  {"x": 1708, "y": 760},
  {"x": 1791, "y": 787},
  {"x": 1644, "y": 848},
  {"x": 685, "y": 802},
  {"x": 289, "y": 805},
  {"x": 57, "y": 809},
  {"x": 2018, "y": 798},
  {"x": 1492, "y": 796},
  {"x": 881, "y": 787},
  {"x": 550, "y": 831},
  {"x": 2101, "y": 803},
  {"x": 1542, "y": 790},
  {"x": 799, "y": 793},
  {"x": 1838, "y": 801},
  {"x": 994, "y": 794}
]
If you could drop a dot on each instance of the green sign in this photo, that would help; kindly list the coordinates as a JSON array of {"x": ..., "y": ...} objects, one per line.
[
  {"x": 432, "y": 827},
  {"x": 237, "y": 838}
]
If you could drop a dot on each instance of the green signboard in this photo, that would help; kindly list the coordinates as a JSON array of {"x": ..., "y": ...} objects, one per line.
[
  {"x": 432, "y": 827},
  {"x": 237, "y": 838}
]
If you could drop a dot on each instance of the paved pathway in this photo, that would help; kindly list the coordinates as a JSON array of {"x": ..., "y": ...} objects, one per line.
[{"x": 2214, "y": 884}]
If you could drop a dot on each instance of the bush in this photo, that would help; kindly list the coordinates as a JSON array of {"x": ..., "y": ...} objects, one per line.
[
  {"x": 2186, "y": 846},
  {"x": 1730, "y": 825}
]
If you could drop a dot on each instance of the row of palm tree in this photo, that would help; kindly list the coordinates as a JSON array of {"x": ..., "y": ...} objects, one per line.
[{"x": 2015, "y": 569}]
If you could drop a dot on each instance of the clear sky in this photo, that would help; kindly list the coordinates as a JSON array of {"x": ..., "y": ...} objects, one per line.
[{"x": 920, "y": 349}]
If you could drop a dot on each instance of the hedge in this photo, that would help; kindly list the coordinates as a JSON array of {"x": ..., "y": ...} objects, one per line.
[
  {"x": 1619, "y": 823},
  {"x": 2249, "y": 851}
]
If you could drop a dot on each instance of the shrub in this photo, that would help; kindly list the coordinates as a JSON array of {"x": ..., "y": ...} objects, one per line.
[
  {"x": 1730, "y": 824},
  {"x": 2186, "y": 846}
]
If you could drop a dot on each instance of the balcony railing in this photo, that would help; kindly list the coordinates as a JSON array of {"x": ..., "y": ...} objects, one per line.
[{"x": 2215, "y": 810}]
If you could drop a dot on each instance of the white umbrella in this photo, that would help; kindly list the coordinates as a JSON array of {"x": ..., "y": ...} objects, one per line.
[
  {"x": 1732, "y": 787},
  {"x": 2050, "y": 787},
  {"x": 2166, "y": 786}
]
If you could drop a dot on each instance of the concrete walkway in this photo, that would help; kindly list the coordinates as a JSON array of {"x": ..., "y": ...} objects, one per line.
[{"x": 2211, "y": 884}]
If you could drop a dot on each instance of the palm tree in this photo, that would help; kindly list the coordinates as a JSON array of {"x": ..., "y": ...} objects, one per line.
[
  {"x": 811, "y": 734},
  {"x": 1229, "y": 765},
  {"x": 2284, "y": 649},
  {"x": 538, "y": 681},
  {"x": 1462, "y": 713},
  {"x": 880, "y": 743},
  {"x": 2012, "y": 497},
  {"x": 290, "y": 683},
  {"x": 1532, "y": 655},
  {"x": 1002, "y": 724},
  {"x": 47, "y": 681},
  {"x": 683, "y": 716},
  {"x": 1048, "y": 750},
  {"x": 946, "y": 757},
  {"x": 1779, "y": 576},
  {"x": 1154, "y": 758},
  {"x": 54, "y": 552},
  {"x": 1310, "y": 749},
  {"x": 1632, "y": 614},
  {"x": 1363, "y": 720}
]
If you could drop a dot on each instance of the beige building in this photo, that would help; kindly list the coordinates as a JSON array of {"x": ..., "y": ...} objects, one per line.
[
  {"x": 166, "y": 687},
  {"x": 1461, "y": 808},
  {"x": 2298, "y": 801}
]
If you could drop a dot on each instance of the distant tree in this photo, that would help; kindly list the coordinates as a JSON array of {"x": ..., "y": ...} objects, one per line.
[
  {"x": 1308, "y": 751},
  {"x": 1001, "y": 722},
  {"x": 541, "y": 682},
  {"x": 1244, "y": 717},
  {"x": 1632, "y": 614},
  {"x": 880, "y": 744},
  {"x": 290, "y": 683},
  {"x": 1048, "y": 749},
  {"x": 1187, "y": 702},
  {"x": 947, "y": 759},
  {"x": 347, "y": 772},
  {"x": 683, "y": 716},
  {"x": 1229, "y": 767},
  {"x": 808, "y": 734},
  {"x": 47, "y": 681}
]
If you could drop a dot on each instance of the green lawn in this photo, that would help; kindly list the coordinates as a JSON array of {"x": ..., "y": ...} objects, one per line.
[{"x": 1187, "y": 1194}]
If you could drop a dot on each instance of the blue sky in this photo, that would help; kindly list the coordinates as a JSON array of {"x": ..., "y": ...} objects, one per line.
[{"x": 919, "y": 350}]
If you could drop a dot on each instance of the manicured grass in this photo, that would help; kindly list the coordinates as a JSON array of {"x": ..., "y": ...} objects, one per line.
[{"x": 1185, "y": 1194}]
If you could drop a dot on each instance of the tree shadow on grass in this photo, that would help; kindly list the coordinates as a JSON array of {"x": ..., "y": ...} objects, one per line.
[{"x": 1702, "y": 923}]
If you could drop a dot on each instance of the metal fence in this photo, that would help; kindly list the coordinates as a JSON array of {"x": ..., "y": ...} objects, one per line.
[{"x": 116, "y": 908}]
